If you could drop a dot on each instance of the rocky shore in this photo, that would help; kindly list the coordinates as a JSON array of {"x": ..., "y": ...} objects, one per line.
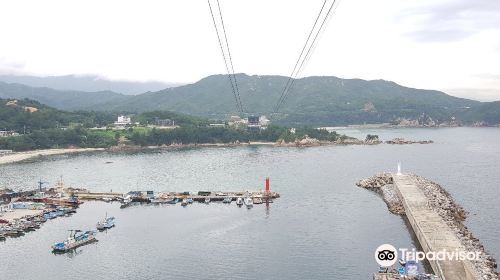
[
  {"x": 312, "y": 142},
  {"x": 402, "y": 141},
  {"x": 441, "y": 202}
]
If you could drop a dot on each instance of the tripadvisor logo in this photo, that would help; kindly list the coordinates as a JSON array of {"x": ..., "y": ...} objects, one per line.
[{"x": 386, "y": 255}]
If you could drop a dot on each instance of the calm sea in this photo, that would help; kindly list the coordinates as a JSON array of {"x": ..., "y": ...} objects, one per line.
[{"x": 322, "y": 227}]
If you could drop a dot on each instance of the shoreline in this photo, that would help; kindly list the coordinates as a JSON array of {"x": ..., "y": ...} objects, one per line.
[
  {"x": 21, "y": 156},
  {"x": 14, "y": 157}
]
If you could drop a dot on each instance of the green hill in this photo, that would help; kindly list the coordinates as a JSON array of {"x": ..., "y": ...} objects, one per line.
[
  {"x": 26, "y": 115},
  {"x": 61, "y": 99},
  {"x": 313, "y": 100},
  {"x": 325, "y": 101}
]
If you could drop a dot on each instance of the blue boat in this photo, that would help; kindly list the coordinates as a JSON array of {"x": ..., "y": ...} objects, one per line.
[
  {"x": 75, "y": 239},
  {"x": 106, "y": 223},
  {"x": 173, "y": 201}
]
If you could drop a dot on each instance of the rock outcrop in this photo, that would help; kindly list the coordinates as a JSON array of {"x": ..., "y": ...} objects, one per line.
[{"x": 402, "y": 141}]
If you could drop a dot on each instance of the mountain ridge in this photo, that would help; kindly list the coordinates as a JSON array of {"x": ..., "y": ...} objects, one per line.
[
  {"x": 315, "y": 100},
  {"x": 88, "y": 83}
]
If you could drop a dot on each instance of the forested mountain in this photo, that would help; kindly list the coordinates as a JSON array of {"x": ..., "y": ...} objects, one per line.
[
  {"x": 61, "y": 99},
  {"x": 313, "y": 100},
  {"x": 325, "y": 101}
]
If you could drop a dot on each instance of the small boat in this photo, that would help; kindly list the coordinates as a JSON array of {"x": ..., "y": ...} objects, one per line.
[
  {"x": 158, "y": 200},
  {"x": 75, "y": 239},
  {"x": 257, "y": 200},
  {"x": 207, "y": 200},
  {"x": 2, "y": 236},
  {"x": 127, "y": 199},
  {"x": 107, "y": 199},
  {"x": 190, "y": 200},
  {"x": 239, "y": 201},
  {"x": 13, "y": 232},
  {"x": 106, "y": 223},
  {"x": 184, "y": 202},
  {"x": 248, "y": 202},
  {"x": 172, "y": 201},
  {"x": 227, "y": 200}
]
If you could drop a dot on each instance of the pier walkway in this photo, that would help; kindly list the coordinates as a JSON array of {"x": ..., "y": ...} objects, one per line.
[{"x": 431, "y": 230}]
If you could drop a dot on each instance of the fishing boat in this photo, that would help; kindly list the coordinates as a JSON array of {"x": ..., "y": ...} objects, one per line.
[
  {"x": 13, "y": 232},
  {"x": 76, "y": 239},
  {"x": 248, "y": 202},
  {"x": 239, "y": 201},
  {"x": 106, "y": 223},
  {"x": 184, "y": 202},
  {"x": 227, "y": 199},
  {"x": 257, "y": 200},
  {"x": 172, "y": 201},
  {"x": 207, "y": 200}
]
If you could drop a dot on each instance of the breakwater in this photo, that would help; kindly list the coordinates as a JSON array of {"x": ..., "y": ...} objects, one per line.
[{"x": 437, "y": 220}]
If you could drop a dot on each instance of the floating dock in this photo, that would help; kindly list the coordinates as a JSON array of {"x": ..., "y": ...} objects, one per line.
[{"x": 196, "y": 196}]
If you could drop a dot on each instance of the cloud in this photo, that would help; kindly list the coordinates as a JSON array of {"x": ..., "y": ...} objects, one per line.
[
  {"x": 488, "y": 76},
  {"x": 444, "y": 21},
  {"x": 481, "y": 94},
  {"x": 9, "y": 66}
]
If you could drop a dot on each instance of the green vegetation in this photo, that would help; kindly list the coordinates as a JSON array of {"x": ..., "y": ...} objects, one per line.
[
  {"x": 371, "y": 137},
  {"x": 209, "y": 135},
  {"x": 42, "y": 127},
  {"x": 58, "y": 138},
  {"x": 317, "y": 101},
  {"x": 180, "y": 119},
  {"x": 28, "y": 115}
]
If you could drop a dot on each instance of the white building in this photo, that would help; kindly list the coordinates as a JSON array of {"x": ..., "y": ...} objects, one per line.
[
  {"x": 264, "y": 121},
  {"x": 123, "y": 121}
]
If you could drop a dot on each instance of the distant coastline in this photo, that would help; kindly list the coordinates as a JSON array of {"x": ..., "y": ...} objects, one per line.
[{"x": 13, "y": 157}]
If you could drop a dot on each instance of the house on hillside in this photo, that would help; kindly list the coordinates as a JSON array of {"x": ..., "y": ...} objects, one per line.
[
  {"x": 8, "y": 133},
  {"x": 122, "y": 122},
  {"x": 164, "y": 122}
]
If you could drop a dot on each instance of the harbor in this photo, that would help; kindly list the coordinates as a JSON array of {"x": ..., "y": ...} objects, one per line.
[
  {"x": 320, "y": 215},
  {"x": 26, "y": 211}
]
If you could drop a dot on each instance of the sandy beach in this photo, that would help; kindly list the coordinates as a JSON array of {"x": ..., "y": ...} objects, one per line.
[{"x": 20, "y": 156}]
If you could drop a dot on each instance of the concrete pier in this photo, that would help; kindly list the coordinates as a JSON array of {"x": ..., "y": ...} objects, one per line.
[{"x": 432, "y": 231}]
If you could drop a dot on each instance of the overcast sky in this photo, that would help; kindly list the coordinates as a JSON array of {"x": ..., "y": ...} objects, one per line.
[{"x": 434, "y": 44}]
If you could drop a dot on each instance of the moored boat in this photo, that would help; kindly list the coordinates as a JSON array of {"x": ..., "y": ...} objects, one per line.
[
  {"x": 172, "y": 201},
  {"x": 257, "y": 200},
  {"x": 190, "y": 200},
  {"x": 106, "y": 223},
  {"x": 75, "y": 239},
  {"x": 184, "y": 202},
  {"x": 227, "y": 200},
  {"x": 248, "y": 202},
  {"x": 207, "y": 200},
  {"x": 239, "y": 201}
]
